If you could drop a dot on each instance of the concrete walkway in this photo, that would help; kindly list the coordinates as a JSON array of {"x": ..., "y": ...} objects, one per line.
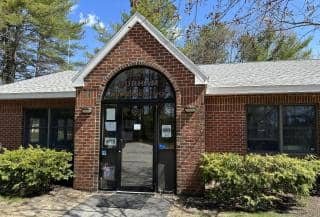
[{"x": 122, "y": 204}]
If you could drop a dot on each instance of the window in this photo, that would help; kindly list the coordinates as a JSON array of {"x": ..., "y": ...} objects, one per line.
[
  {"x": 263, "y": 128},
  {"x": 61, "y": 129},
  {"x": 139, "y": 83},
  {"x": 298, "y": 128},
  {"x": 49, "y": 128},
  {"x": 289, "y": 128},
  {"x": 36, "y": 127}
]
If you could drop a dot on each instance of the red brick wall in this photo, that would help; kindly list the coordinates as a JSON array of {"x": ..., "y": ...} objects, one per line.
[
  {"x": 138, "y": 47},
  {"x": 11, "y": 117},
  {"x": 226, "y": 118}
]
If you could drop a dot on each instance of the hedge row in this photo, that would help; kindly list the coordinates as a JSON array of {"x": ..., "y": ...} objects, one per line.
[
  {"x": 254, "y": 182},
  {"x": 30, "y": 171}
]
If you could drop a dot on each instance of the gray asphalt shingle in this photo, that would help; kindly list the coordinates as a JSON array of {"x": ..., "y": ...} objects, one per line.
[
  {"x": 235, "y": 78},
  {"x": 60, "y": 82},
  {"x": 258, "y": 76}
]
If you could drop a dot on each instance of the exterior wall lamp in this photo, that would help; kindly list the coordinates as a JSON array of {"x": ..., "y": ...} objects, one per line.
[
  {"x": 190, "y": 109},
  {"x": 86, "y": 110}
]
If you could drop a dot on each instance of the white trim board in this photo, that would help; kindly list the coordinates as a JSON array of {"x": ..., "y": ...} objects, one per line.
[
  {"x": 200, "y": 77},
  {"x": 244, "y": 90},
  {"x": 41, "y": 95}
]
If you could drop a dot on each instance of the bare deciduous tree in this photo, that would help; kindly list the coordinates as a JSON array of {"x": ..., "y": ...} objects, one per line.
[{"x": 282, "y": 14}]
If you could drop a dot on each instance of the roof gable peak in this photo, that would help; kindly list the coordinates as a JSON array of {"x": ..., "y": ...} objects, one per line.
[{"x": 200, "y": 78}]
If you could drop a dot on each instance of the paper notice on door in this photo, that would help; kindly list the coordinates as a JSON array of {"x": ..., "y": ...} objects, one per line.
[
  {"x": 104, "y": 152},
  {"x": 166, "y": 131},
  {"x": 136, "y": 126},
  {"x": 110, "y": 142},
  {"x": 111, "y": 126},
  {"x": 108, "y": 173},
  {"x": 111, "y": 114}
]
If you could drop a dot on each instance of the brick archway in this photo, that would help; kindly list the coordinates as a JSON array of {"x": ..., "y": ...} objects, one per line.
[{"x": 156, "y": 94}]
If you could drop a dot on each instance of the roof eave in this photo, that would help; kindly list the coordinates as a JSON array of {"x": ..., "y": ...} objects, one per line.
[
  {"x": 39, "y": 95},
  {"x": 250, "y": 90}
]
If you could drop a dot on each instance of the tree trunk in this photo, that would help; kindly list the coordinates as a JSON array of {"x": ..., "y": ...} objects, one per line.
[
  {"x": 9, "y": 67},
  {"x": 10, "y": 61},
  {"x": 38, "y": 60},
  {"x": 133, "y": 3}
]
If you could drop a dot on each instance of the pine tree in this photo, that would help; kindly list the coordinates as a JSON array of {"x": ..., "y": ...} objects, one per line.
[
  {"x": 269, "y": 45},
  {"x": 209, "y": 45},
  {"x": 162, "y": 14},
  {"x": 36, "y": 37}
]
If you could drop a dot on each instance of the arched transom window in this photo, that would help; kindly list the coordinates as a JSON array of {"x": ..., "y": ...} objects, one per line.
[{"x": 139, "y": 83}]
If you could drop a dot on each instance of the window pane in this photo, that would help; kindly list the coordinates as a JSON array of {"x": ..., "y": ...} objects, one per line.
[
  {"x": 34, "y": 122},
  {"x": 70, "y": 123},
  {"x": 263, "y": 128},
  {"x": 61, "y": 123},
  {"x": 139, "y": 83},
  {"x": 167, "y": 123},
  {"x": 34, "y": 136},
  {"x": 36, "y": 127},
  {"x": 70, "y": 134},
  {"x": 299, "y": 128},
  {"x": 60, "y": 137},
  {"x": 61, "y": 129}
]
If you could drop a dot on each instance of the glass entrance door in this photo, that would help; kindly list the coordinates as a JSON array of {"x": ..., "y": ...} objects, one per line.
[{"x": 137, "y": 147}]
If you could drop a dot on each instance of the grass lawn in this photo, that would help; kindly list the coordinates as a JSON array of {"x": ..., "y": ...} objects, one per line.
[
  {"x": 10, "y": 200},
  {"x": 308, "y": 207},
  {"x": 260, "y": 214}
]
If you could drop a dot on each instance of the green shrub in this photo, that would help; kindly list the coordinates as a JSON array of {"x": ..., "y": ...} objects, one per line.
[
  {"x": 254, "y": 182},
  {"x": 30, "y": 171}
]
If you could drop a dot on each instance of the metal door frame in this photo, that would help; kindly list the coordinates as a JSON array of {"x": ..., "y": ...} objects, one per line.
[{"x": 119, "y": 106}]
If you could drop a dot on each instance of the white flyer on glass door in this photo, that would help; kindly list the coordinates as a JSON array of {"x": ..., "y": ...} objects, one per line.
[
  {"x": 111, "y": 114},
  {"x": 111, "y": 126},
  {"x": 166, "y": 131}
]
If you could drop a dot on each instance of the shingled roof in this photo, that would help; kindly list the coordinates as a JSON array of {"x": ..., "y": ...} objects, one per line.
[
  {"x": 56, "y": 85},
  {"x": 263, "y": 77},
  {"x": 224, "y": 79}
]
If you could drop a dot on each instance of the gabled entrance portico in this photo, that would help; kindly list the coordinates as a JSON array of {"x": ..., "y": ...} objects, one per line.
[{"x": 149, "y": 114}]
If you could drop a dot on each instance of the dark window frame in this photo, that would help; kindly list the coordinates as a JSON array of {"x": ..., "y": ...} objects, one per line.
[
  {"x": 54, "y": 129},
  {"x": 119, "y": 104},
  {"x": 142, "y": 69},
  {"x": 27, "y": 115},
  {"x": 257, "y": 138},
  {"x": 280, "y": 128}
]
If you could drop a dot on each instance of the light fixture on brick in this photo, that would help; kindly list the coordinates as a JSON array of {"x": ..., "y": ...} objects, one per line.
[
  {"x": 190, "y": 109},
  {"x": 86, "y": 110}
]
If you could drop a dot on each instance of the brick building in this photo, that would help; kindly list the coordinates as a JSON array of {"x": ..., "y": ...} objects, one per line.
[{"x": 140, "y": 114}]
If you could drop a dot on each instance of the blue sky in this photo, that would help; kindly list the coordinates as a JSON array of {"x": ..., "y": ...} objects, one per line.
[
  {"x": 106, "y": 11},
  {"x": 109, "y": 11}
]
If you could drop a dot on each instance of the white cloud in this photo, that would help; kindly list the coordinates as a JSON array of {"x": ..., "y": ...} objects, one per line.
[
  {"x": 74, "y": 7},
  {"x": 91, "y": 20},
  {"x": 82, "y": 19},
  {"x": 101, "y": 25},
  {"x": 175, "y": 32}
]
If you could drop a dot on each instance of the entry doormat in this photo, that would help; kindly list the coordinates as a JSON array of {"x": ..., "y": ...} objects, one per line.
[{"x": 123, "y": 201}]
